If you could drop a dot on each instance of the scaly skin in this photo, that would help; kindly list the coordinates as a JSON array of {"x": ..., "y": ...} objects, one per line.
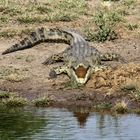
[{"x": 80, "y": 59}]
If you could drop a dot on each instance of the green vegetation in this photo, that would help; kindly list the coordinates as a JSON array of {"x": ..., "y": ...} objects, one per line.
[
  {"x": 15, "y": 102},
  {"x": 137, "y": 111},
  {"x": 103, "y": 106},
  {"x": 105, "y": 22},
  {"x": 72, "y": 85},
  {"x": 102, "y": 27},
  {"x": 133, "y": 90},
  {"x": 11, "y": 74},
  {"x": 120, "y": 107},
  {"x": 129, "y": 87},
  {"x": 11, "y": 99},
  {"x": 42, "y": 102},
  {"x": 111, "y": 0},
  {"x": 137, "y": 94},
  {"x": 129, "y": 3},
  {"x": 4, "y": 95},
  {"x": 132, "y": 26},
  {"x": 10, "y": 33},
  {"x": 29, "y": 13}
]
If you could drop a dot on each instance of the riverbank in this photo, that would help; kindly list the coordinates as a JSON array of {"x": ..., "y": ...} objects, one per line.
[
  {"x": 23, "y": 73},
  {"x": 116, "y": 87}
]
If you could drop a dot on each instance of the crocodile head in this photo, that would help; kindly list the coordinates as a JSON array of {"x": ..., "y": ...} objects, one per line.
[{"x": 80, "y": 73}]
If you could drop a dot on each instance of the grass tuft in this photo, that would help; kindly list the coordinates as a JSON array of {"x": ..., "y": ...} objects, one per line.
[
  {"x": 8, "y": 33},
  {"x": 16, "y": 102},
  {"x": 120, "y": 107},
  {"x": 133, "y": 90},
  {"x": 105, "y": 22},
  {"x": 42, "y": 102},
  {"x": 104, "y": 106},
  {"x": 129, "y": 3},
  {"x": 4, "y": 95},
  {"x": 132, "y": 26},
  {"x": 14, "y": 77},
  {"x": 11, "y": 74},
  {"x": 137, "y": 111},
  {"x": 129, "y": 87}
]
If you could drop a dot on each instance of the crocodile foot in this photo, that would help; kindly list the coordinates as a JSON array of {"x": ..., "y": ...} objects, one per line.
[{"x": 52, "y": 74}]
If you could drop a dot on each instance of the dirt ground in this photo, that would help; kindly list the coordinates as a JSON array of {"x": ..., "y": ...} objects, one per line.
[{"x": 24, "y": 73}]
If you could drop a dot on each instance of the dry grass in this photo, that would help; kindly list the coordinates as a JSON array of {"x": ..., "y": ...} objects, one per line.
[
  {"x": 15, "y": 102},
  {"x": 4, "y": 95},
  {"x": 11, "y": 99},
  {"x": 120, "y": 107},
  {"x": 12, "y": 74},
  {"x": 29, "y": 13},
  {"x": 42, "y": 102},
  {"x": 37, "y": 13},
  {"x": 132, "y": 87}
]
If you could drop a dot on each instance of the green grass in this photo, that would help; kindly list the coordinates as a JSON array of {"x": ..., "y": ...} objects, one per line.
[
  {"x": 105, "y": 22},
  {"x": 11, "y": 99},
  {"x": 51, "y": 10},
  {"x": 4, "y": 95},
  {"x": 111, "y": 0},
  {"x": 103, "y": 106},
  {"x": 7, "y": 71},
  {"x": 132, "y": 26},
  {"x": 137, "y": 94},
  {"x": 133, "y": 90},
  {"x": 10, "y": 33},
  {"x": 16, "y": 102},
  {"x": 137, "y": 111},
  {"x": 120, "y": 107},
  {"x": 129, "y": 3},
  {"x": 42, "y": 102},
  {"x": 102, "y": 28},
  {"x": 129, "y": 87}
]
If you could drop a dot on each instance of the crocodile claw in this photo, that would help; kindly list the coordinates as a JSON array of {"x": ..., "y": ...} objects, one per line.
[
  {"x": 48, "y": 62},
  {"x": 52, "y": 74}
]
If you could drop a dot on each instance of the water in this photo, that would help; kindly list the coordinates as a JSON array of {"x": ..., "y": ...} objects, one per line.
[{"x": 61, "y": 124}]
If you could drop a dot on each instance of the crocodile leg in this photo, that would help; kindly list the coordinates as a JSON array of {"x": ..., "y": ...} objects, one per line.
[
  {"x": 54, "y": 59},
  {"x": 109, "y": 57},
  {"x": 57, "y": 70},
  {"x": 112, "y": 57},
  {"x": 99, "y": 68}
]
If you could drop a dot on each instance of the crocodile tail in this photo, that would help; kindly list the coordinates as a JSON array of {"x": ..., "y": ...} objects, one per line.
[{"x": 39, "y": 36}]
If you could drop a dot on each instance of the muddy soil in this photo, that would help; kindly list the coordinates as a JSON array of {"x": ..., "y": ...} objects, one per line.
[{"x": 24, "y": 73}]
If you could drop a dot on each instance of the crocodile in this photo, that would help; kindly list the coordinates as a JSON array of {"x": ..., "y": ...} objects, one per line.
[{"x": 80, "y": 59}]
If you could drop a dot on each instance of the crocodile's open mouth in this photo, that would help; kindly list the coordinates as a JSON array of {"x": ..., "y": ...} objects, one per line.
[{"x": 81, "y": 74}]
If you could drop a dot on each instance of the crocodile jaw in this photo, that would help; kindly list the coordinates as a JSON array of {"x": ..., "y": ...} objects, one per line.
[
  {"x": 81, "y": 77},
  {"x": 82, "y": 80}
]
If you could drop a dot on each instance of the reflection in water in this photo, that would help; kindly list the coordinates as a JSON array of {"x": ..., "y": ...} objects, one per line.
[
  {"x": 102, "y": 119},
  {"x": 81, "y": 118},
  {"x": 81, "y": 114},
  {"x": 61, "y": 124}
]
